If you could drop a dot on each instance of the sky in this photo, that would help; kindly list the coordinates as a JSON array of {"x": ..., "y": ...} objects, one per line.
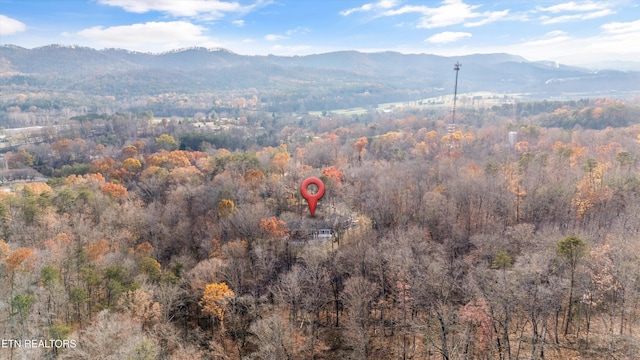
[{"x": 572, "y": 32}]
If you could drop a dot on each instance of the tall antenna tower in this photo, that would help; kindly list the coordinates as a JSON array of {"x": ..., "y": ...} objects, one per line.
[{"x": 452, "y": 126}]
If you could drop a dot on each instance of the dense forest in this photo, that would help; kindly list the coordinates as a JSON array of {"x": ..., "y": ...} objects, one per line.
[{"x": 513, "y": 235}]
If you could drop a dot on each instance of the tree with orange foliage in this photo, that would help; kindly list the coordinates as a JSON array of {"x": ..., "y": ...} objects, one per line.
[
  {"x": 360, "y": 147},
  {"x": 214, "y": 300},
  {"x": 139, "y": 145},
  {"x": 332, "y": 178},
  {"x": 94, "y": 180},
  {"x": 592, "y": 190},
  {"x": 186, "y": 175},
  {"x": 169, "y": 160},
  {"x": 96, "y": 250},
  {"x": 522, "y": 147},
  {"x": 114, "y": 190},
  {"x": 145, "y": 249},
  {"x": 280, "y": 161},
  {"x": 333, "y": 174},
  {"x": 226, "y": 207},
  {"x": 130, "y": 151},
  {"x": 420, "y": 149},
  {"x": 253, "y": 177},
  {"x": 131, "y": 165},
  {"x": 37, "y": 188},
  {"x": 103, "y": 166},
  {"x": 159, "y": 159},
  {"x": 181, "y": 158},
  {"x": 273, "y": 227},
  {"x": 19, "y": 260},
  {"x": 571, "y": 151}
]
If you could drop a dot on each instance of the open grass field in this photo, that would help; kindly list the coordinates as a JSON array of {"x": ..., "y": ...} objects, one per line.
[{"x": 474, "y": 99}]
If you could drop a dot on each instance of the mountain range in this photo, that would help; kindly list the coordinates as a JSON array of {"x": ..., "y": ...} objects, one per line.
[{"x": 399, "y": 76}]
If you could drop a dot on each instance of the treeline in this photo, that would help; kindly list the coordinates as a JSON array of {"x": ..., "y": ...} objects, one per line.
[
  {"x": 139, "y": 89},
  {"x": 587, "y": 114},
  {"x": 446, "y": 244}
]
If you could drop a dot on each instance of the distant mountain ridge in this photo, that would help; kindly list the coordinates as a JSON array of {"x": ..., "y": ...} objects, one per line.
[{"x": 192, "y": 70}]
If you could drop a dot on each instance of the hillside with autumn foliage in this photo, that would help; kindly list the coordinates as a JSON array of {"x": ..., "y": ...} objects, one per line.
[
  {"x": 334, "y": 80},
  {"x": 188, "y": 238}
]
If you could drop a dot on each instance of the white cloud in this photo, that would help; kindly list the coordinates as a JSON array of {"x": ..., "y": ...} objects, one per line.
[
  {"x": 556, "y": 33},
  {"x": 491, "y": 17},
  {"x": 10, "y": 26},
  {"x": 447, "y": 37},
  {"x": 380, "y": 5},
  {"x": 450, "y": 12},
  {"x": 622, "y": 27},
  {"x": 238, "y": 23},
  {"x": 288, "y": 34},
  {"x": 617, "y": 42},
  {"x": 274, "y": 37},
  {"x": 593, "y": 49},
  {"x": 573, "y": 6},
  {"x": 555, "y": 38},
  {"x": 208, "y": 9},
  {"x": 151, "y": 36},
  {"x": 573, "y": 11},
  {"x": 298, "y": 30},
  {"x": 576, "y": 17}
]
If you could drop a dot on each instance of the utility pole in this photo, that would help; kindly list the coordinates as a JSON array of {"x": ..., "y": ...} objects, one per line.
[{"x": 452, "y": 125}]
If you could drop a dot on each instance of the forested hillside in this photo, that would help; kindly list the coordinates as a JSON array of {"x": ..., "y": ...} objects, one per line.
[
  {"x": 320, "y": 82},
  {"x": 187, "y": 238}
]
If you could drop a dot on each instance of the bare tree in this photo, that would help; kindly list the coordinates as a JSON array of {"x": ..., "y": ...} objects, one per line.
[{"x": 358, "y": 295}]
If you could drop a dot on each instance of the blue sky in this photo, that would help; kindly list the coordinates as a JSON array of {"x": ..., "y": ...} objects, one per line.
[{"x": 571, "y": 32}]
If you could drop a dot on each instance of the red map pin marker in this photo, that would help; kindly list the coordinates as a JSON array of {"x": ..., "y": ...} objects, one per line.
[{"x": 312, "y": 199}]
